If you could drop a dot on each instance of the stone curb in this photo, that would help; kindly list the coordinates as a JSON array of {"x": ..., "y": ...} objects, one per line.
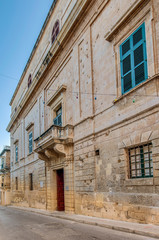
[{"x": 86, "y": 221}]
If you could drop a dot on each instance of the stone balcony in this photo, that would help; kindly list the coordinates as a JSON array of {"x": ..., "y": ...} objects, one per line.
[
  {"x": 4, "y": 169},
  {"x": 54, "y": 142}
]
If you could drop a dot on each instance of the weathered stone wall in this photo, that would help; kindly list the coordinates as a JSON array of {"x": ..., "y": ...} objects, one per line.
[
  {"x": 115, "y": 195},
  {"x": 24, "y": 196}
]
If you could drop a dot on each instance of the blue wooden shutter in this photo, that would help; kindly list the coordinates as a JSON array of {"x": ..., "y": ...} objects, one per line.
[{"x": 133, "y": 60}]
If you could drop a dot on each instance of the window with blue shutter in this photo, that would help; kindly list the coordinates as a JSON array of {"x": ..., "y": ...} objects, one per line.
[
  {"x": 58, "y": 120},
  {"x": 133, "y": 60}
]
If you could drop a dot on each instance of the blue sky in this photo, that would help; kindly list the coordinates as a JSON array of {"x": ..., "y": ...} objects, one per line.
[{"x": 20, "y": 24}]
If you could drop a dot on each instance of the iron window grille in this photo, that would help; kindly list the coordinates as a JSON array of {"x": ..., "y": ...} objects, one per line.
[
  {"x": 133, "y": 58},
  {"x": 140, "y": 161}
]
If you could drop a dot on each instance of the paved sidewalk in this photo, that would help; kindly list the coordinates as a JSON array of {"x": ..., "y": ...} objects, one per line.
[{"x": 147, "y": 230}]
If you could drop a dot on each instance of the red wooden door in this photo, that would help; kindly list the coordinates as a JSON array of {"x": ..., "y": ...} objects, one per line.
[{"x": 60, "y": 190}]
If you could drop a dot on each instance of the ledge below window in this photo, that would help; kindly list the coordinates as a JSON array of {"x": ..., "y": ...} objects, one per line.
[
  {"x": 136, "y": 87},
  {"x": 139, "y": 182}
]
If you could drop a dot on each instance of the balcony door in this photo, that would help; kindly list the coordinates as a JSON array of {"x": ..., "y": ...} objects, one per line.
[{"x": 58, "y": 119}]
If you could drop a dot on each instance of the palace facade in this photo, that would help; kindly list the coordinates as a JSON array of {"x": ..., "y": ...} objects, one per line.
[{"x": 84, "y": 121}]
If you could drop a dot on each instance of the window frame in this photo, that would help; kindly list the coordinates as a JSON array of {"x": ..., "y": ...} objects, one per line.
[
  {"x": 55, "y": 31},
  {"x": 59, "y": 109},
  {"x": 16, "y": 183},
  {"x": 140, "y": 161},
  {"x": 29, "y": 80},
  {"x": 30, "y": 140},
  {"x": 31, "y": 181},
  {"x": 131, "y": 53},
  {"x": 16, "y": 153}
]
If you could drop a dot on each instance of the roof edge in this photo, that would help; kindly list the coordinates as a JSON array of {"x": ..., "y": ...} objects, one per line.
[
  {"x": 5, "y": 149},
  {"x": 34, "y": 49}
]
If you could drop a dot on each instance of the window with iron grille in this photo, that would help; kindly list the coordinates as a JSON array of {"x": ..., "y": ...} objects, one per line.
[
  {"x": 140, "y": 161},
  {"x": 16, "y": 153},
  {"x": 30, "y": 142},
  {"x": 133, "y": 59},
  {"x": 31, "y": 181}
]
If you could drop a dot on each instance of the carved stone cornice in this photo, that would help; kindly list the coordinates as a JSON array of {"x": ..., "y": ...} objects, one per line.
[
  {"x": 34, "y": 48},
  {"x": 71, "y": 21},
  {"x": 56, "y": 94},
  {"x": 124, "y": 19}
]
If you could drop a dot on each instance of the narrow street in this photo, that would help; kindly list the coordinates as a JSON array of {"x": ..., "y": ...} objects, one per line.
[{"x": 20, "y": 225}]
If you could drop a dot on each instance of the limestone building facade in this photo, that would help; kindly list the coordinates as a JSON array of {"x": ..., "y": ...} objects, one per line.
[
  {"x": 84, "y": 116},
  {"x": 5, "y": 176}
]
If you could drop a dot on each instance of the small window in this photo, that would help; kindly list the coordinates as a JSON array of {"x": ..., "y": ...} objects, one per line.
[
  {"x": 55, "y": 31},
  {"x": 97, "y": 153},
  {"x": 30, "y": 142},
  {"x": 140, "y": 161},
  {"x": 2, "y": 164},
  {"x": 31, "y": 181},
  {"x": 133, "y": 60},
  {"x": 16, "y": 183},
  {"x": 58, "y": 119},
  {"x": 29, "y": 80},
  {"x": 16, "y": 153}
]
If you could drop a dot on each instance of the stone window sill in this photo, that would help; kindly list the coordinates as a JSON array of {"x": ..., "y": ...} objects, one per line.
[
  {"x": 29, "y": 154},
  {"x": 139, "y": 182},
  {"x": 136, "y": 88}
]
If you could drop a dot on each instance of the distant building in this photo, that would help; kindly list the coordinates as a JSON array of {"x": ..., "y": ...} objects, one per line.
[
  {"x": 5, "y": 176},
  {"x": 85, "y": 114}
]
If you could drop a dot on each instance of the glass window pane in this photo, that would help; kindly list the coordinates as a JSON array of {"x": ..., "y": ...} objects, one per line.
[
  {"x": 133, "y": 159},
  {"x": 132, "y": 151}
]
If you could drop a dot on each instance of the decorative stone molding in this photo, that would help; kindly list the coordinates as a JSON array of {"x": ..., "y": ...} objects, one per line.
[
  {"x": 137, "y": 138},
  {"x": 60, "y": 149},
  {"x": 29, "y": 126},
  {"x": 71, "y": 21},
  {"x": 130, "y": 12},
  {"x": 56, "y": 94},
  {"x": 43, "y": 157},
  {"x": 50, "y": 153}
]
